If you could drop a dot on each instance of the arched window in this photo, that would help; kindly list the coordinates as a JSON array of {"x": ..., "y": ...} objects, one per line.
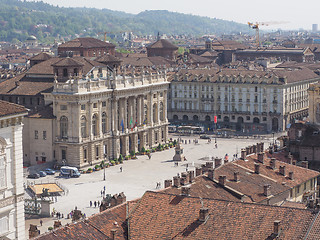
[
  {"x": 94, "y": 125},
  {"x": 145, "y": 114},
  {"x": 161, "y": 112},
  {"x": 155, "y": 113},
  {"x": 64, "y": 127},
  {"x": 65, "y": 72},
  {"x": 104, "y": 122},
  {"x": 76, "y": 71},
  {"x": 83, "y": 125}
]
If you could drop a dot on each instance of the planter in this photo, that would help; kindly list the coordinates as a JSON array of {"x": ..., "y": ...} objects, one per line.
[
  {"x": 89, "y": 171},
  {"x": 97, "y": 169}
]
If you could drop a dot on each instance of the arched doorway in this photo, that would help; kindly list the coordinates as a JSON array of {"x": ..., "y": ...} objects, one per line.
[
  {"x": 275, "y": 124},
  {"x": 121, "y": 148},
  {"x": 195, "y": 118},
  {"x": 139, "y": 144},
  {"x": 208, "y": 118},
  {"x": 256, "y": 120},
  {"x": 175, "y": 117},
  {"x": 185, "y": 118},
  {"x": 226, "y": 119},
  {"x": 239, "y": 124}
]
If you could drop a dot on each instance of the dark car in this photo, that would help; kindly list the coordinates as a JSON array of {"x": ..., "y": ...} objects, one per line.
[
  {"x": 49, "y": 171},
  {"x": 42, "y": 174},
  {"x": 34, "y": 175},
  {"x": 204, "y": 137}
]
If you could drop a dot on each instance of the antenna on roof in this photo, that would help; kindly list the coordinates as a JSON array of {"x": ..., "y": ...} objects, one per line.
[{"x": 201, "y": 201}]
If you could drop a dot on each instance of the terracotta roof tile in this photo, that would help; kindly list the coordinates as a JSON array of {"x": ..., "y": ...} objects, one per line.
[
  {"x": 166, "y": 216},
  {"x": 86, "y": 43},
  {"x": 7, "y": 108},
  {"x": 163, "y": 43},
  {"x": 41, "y": 57}
]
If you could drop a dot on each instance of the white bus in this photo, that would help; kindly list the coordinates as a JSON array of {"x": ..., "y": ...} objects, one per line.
[
  {"x": 69, "y": 171},
  {"x": 188, "y": 130}
]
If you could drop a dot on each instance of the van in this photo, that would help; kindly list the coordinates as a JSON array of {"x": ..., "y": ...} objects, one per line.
[{"x": 69, "y": 171}]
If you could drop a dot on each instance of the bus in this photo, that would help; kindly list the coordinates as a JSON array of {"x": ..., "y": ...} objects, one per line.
[
  {"x": 69, "y": 171},
  {"x": 188, "y": 130}
]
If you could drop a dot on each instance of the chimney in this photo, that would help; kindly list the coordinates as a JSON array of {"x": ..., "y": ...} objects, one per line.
[
  {"x": 290, "y": 159},
  {"x": 236, "y": 176},
  {"x": 311, "y": 203},
  {"x": 191, "y": 176},
  {"x": 186, "y": 176},
  {"x": 113, "y": 234},
  {"x": 209, "y": 164},
  {"x": 217, "y": 162},
  {"x": 276, "y": 227},
  {"x": 254, "y": 147},
  {"x": 273, "y": 163},
  {"x": 243, "y": 154},
  {"x": 185, "y": 191},
  {"x": 203, "y": 214},
  {"x": 167, "y": 183},
  {"x": 282, "y": 170},
  {"x": 183, "y": 181},
  {"x": 198, "y": 171},
  {"x": 294, "y": 162},
  {"x": 176, "y": 181},
  {"x": 211, "y": 174},
  {"x": 257, "y": 168},
  {"x": 247, "y": 151},
  {"x": 304, "y": 164},
  {"x": 261, "y": 147},
  {"x": 266, "y": 190},
  {"x": 222, "y": 180},
  {"x": 291, "y": 175},
  {"x": 261, "y": 157}
]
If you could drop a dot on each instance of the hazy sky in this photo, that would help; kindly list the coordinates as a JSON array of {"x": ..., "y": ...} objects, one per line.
[{"x": 285, "y": 14}]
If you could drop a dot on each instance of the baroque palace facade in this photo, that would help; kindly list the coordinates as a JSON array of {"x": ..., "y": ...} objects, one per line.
[
  {"x": 250, "y": 101},
  {"x": 107, "y": 114}
]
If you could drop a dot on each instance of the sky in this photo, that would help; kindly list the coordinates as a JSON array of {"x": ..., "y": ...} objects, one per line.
[{"x": 279, "y": 14}]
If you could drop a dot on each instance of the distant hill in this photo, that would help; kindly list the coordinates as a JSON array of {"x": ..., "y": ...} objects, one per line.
[{"x": 20, "y": 19}]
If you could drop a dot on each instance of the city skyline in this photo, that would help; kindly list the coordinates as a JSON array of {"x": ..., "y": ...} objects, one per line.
[{"x": 280, "y": 14}]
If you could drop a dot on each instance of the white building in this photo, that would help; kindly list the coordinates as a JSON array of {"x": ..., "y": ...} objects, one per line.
[
  {"x": 12, "y": 225},
  {"x": 243, "y": 100}
]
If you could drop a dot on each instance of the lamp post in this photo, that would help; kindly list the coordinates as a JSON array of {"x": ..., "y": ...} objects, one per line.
[{"x": 104, "y": 169}]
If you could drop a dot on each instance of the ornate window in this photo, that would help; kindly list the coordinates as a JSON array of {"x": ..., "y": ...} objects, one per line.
[
  {"x": 94, "y": 125},
  {"x": 161, "y": 112},
  {"x": 155, "y": 113},
  {"x": 104, "y": 122},
  {"x": 83, "y": 125},
  {"x": 64, "y": 127},
  {"x": 3, "y": 175}
]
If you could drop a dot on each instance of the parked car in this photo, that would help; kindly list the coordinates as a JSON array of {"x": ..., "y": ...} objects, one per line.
[
  {"x": 34, "y": 175},
  {"x": 49, "y": 171},
  {"x": 204, "y": 137},
  {"x": 42, "y": 174}
]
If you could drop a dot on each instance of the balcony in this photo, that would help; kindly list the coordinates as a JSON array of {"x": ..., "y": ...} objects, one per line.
[
  {"x": 274, "y": 114},
  {"x": 67, "y": 139}
]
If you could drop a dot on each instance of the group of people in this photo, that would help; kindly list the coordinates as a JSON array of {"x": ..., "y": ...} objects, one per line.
[
  {"x": 56, "y": 214},
  {"x": 95, "y": 203}
]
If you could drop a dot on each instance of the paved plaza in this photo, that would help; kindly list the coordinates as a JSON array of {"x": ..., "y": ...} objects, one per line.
[{"x": 138, "y": 175}]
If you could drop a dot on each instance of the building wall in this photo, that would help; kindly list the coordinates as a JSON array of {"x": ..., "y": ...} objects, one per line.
[
  {"x": 257, "y": 105},
  {"x": 133, "y": 119},
  {"x": 11, "y": 193},
  {"x": 38, "y": 146}
]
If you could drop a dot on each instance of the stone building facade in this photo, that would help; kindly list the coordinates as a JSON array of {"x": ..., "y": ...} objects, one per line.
[
  {"x": 243, "y": 100},
  {"x": 12, "y": 224},
  {"x": 104, "y": 115}
]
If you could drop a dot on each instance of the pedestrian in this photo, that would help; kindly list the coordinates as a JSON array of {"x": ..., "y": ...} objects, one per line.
[
  {"x": 216, "y": 145},
  {"x": 84, "y": 215},
  {"x": 98, "y": 204},
  {"x": 101, "y": 193},
  {"x": 62, "y": 215},
  {"x": 104, "y": 192},
  {"x": 186, "y": 168},
  {"x": 121, "y": 169},
  {"x": 95, "y": 204},
  {"x": 41, "y": 222},
  {"x": 90, "y": 203},
  {"x": 104, "y": 188},
  {"x": 159, "y": 185},
  {"x": 56, "y": 199},
  {"x": 149, "y": 156}
]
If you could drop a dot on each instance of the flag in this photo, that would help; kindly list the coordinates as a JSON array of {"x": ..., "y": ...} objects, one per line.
[
  {"x": 122, "y": 125},
  {"x": 136, "y": 124},
  {"x": 144, "y": 121},
  {"x": 130, "y": 123}
]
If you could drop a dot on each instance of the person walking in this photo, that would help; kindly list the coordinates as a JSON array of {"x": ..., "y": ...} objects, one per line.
[
  {"x": 90, "y": 203},
  {"x": 95, "y": 204},
  {"x": 121, "y": 169},
  {"x": 41, "y": 222}
]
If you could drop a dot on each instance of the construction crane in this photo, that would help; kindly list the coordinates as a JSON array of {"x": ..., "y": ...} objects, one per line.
[{"x": 256, "y": 27}]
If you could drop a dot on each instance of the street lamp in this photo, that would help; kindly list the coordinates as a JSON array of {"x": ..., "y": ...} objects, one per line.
[{"x": 104, "y": 169}]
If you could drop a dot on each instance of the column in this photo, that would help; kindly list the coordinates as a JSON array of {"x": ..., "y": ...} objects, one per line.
[
  {"x": 99, "y": 119},
  {"x": 158, "y": 108},
  {"x": 150, "y": 112},
  {"x": 124, "y": 112},
  {"x": 139, "y": 115},
  {"x": 134, "y": 111}
]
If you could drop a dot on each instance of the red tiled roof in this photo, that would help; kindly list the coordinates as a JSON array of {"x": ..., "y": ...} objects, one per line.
[
  {"x": 7, "y": 108},
  {"x": 86, "y": 43},
  {"x": 41, "y": 57},
  {"x": 205, "y": 188},
  {"x": 163, "y": 43},
  {"x": 166, "y": 216},
  {"x": 67, "y": 62},
  {"x": 300, "y": 174}
]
